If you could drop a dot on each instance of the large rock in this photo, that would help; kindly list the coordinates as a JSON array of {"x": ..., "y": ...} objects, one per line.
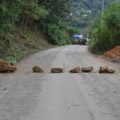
[
  {"x": 7, "y": 67},
  {"x": 111, "y": 70},
  {"x": 37, "y": 69},
  {"x": 87, "y": 69},
  {"x": 75, "y": 70},
  {"x": 56, "y": 70},
  {"x": 106, "y": 69}
]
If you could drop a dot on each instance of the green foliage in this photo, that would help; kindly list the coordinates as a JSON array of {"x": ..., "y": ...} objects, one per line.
[
  {"x": 9, "y": 14},
  {"x": 32, "y": 11},
  {"x": 58, "y": 10},
  {"x": 112, "y": 16},
  {"x": 101, "y": 40},
  {"x": 72, "y": 31},
  {"x": 55, "y": 23},
  {"x": 84, "y": 11},
  {"x": 57, "y": 34},
  {"x": 105, "y": 32},
  {"x": 49, "y": 15}
]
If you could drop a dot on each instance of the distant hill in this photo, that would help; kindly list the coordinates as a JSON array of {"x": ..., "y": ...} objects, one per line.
[{"x": 83, "y": 12}]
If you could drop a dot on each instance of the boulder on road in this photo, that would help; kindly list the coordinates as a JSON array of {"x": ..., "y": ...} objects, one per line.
[
  {"x": 56, "y": 70},
  {"x": 75, "y": 70},
  {"x": 37, "y": 69},
  {"x": 106, "y": 69},
  {"x": 87, "y": 69},
  {"x": 7, "y": 67}
]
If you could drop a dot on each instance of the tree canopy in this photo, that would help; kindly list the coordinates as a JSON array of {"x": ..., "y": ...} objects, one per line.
[{"x": 49, "y": 15}]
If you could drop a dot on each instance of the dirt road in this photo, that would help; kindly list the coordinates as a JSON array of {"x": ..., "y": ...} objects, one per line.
[{"x": 85, "y": 96}]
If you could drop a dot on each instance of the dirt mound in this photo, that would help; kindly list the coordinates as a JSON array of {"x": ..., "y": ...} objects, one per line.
[
  {"x": 114, "y": 53},
  {"x": 6, "y": 67}
]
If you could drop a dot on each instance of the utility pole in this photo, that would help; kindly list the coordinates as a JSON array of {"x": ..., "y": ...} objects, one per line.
[{"x": 103, "y": 6}]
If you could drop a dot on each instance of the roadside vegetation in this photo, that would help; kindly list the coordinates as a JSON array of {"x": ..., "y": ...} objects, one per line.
[
  {"x": 105, "y": 32},
  {"x": 23, "y": 21}
]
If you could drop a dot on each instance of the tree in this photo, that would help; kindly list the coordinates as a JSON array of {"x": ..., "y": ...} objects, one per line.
[
  {"x": 9, "y": 14},
  {"x": 106, "y": 34},
  {"x": 55, "y": 23}
]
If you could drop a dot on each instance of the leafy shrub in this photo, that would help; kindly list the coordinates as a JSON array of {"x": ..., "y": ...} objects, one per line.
[
  {"x": 72, "y": 31},
  {"x": 9, "y": 14},
  {"x": 57, "y": 35},
  {"x": 105, "y": 32},
  {"x": 101, "y": 40}
]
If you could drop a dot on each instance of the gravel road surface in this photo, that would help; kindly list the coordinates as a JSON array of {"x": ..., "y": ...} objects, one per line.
[{"x": 84, "y": 96}]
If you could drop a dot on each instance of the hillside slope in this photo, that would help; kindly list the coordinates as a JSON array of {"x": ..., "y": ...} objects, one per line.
[{"x": 19, "y": 44}]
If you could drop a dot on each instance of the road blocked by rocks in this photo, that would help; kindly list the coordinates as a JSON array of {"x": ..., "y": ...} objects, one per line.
[
  {"x": 7, "y": 67},
  {"x": 26, "y": 95},
  {"x": 102, "y": 69}
]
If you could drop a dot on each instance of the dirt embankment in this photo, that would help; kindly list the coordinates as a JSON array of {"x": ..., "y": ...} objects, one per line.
[{"x": 114, "y": 54}]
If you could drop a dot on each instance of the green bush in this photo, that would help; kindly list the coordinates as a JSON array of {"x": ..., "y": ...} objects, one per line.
[
  {"x": 72, "y": 31},
  {"x": 57, "y": 35},
  {"x": 101, "y": 40},
  {"x": 105, "y": 33},
  {"x": 9, "y": 14}
]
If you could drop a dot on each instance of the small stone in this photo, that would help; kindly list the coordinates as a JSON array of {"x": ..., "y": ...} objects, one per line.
[
  {"x": 56, "y": 70},
  {"x": 37, "y": 69},
  {"x": 75, "y": 70}
]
